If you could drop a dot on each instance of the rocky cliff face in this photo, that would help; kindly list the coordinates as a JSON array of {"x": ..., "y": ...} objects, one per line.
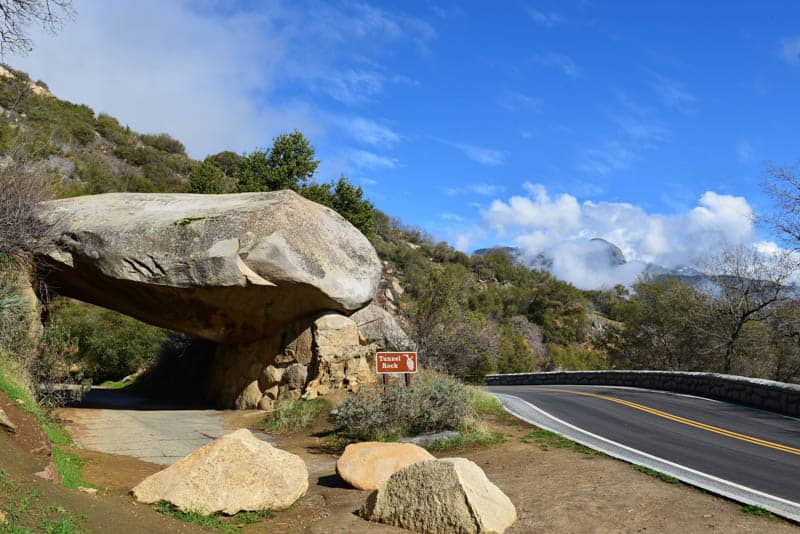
[{"x": 271, "y": 277}]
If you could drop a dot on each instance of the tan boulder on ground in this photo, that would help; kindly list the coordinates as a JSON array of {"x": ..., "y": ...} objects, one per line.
[
  {"x": 234, "y": 473},
  {"x": 369, "y": 464},
  {"x": 448, "y": 495}
]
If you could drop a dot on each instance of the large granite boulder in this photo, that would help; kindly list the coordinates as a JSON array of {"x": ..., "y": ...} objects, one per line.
[
  {"x": 234, "y": 473},
  {"x": 228, "y": 268},
  {"x": 448, "y": 495},
  {"x": 369, "y": 464},
  {"x": 380, "y": 327}
]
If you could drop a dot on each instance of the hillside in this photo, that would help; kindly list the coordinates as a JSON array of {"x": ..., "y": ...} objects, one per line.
[{"x": 472, "y": 315}]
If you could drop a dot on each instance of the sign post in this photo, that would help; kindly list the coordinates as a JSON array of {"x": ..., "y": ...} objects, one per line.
[{"x": 390, "y": 363}]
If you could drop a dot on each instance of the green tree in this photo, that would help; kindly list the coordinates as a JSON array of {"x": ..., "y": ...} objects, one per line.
[
  {"x": 288, "y": 164},
  {"x": 347, "y": 200},
  {"x": 663, "y": 328},
  {"x": 227, "y": 161},
  {"x": 207, "y": 178}
]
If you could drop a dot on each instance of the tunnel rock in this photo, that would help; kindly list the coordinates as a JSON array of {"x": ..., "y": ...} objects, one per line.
[{"x": 271, "y": 277}]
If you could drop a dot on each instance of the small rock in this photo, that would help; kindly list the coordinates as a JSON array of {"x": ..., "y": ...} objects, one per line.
[
  {"x": 425, "y": 440},
  {"x": 369, "y": 464},
  {"x": 448, "y": 495},
  {"x": 6, "y": 423},
  {"x": 90, "y": 491},
  {"x": 233, "y": 473},
  {"x": 3, "y": 519},
  {"x": 49, "y": 473}
]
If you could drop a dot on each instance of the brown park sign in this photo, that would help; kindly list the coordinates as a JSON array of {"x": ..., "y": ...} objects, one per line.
[{"x": 396, "y": 362}]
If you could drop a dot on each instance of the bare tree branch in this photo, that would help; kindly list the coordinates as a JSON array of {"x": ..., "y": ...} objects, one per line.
[{"x": 16, "y": 17}]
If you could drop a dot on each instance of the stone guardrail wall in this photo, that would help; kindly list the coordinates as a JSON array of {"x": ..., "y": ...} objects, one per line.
[{"x": 764, "y": 394}]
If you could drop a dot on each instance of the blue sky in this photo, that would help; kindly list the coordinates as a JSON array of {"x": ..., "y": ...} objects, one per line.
[{"x": 528, "y": 123}]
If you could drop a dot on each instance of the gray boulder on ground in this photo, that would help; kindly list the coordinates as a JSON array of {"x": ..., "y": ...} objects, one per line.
[
  {"x": 228, "y": 268},
  {"x": 234, "y": 473},
  {"x": 448, "y": 495}
]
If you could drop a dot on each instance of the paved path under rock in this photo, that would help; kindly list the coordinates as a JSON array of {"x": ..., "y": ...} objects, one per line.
[{"x": 116, "y": 422}]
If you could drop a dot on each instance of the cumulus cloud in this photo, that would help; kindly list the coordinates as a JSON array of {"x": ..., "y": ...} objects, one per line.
[
  {"x": 562, "y": 228},
  {"x": 220, "y": 81}
]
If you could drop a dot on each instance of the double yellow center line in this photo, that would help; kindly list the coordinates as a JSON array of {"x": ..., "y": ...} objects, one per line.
[{"x": 683, "y": 420}]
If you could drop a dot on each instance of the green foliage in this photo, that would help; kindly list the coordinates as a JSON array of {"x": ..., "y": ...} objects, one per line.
[
  {"x": 228, "y": 162},
  {"x": 752, "y": 509},
  {"x": 109, "y": 345},
  {"x": 452, "y": 338},
  {"x": 656, "y": 474},
  {"x": 70, "y": 467},
  {"x": 561, "y": 310},
  {"x": 574, "y": 357},
  {"x": 164, "y": 143},
  {"x": 215, "y": 521},
  {"x": 435, "y": 403},
  {"x": 295, "y": 416},
  {"x": 479, "y": 436},
  {"x": 484, "y": 403},
  {"x": 346, "y": 199},
  {"x": 110, "y": 129},
  {"x": 515, "y": 354},
  {"x": 661, "y": 328},
  {"x": 207, "y": 178},
  {"x": 288, "y": 164}
]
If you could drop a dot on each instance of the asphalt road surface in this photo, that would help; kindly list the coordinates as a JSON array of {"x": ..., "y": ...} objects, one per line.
[{"x": 746, "y": 446}]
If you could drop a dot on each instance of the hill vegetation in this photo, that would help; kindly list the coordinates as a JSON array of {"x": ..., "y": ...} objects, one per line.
[{"x": 470, "y": 314}]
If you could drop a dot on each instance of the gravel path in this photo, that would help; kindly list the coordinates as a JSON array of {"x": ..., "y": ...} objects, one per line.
[{"x": 116, "y": 422}]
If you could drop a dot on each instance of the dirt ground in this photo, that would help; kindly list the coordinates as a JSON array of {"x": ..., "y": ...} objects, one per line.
[{"x": 555, "y": 491}]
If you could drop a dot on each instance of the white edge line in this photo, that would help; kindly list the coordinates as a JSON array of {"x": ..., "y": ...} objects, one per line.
[{"x": 793, "y": 511}]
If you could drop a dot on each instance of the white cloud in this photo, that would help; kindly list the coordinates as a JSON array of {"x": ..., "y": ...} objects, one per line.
[
  {"x": 558, "y": 61},
  {"x": 484, "y": 189},
  {"x": 216, "y": 76},
  {"x": 452, "y": 217},
  {"x": 368, "y": 131},
  {"x": 562, "y": 227},
  {"x": 479, "y": 154},
  {"x": 515, "y": 101},
  {"x": 673, "y": 94},
  {"x": 745, "y": 152},
  {"x": 607, "y": 158},
  {"x": 363, "y": 159},
  {"x": 790, "y": 50},
  {"x": 546, "y": 19}
]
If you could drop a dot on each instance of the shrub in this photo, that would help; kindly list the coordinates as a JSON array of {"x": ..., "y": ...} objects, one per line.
[
  {"x": 163, "y": 142},
  {"x": 437, "y": 402},
  {"x": 295, "y": 416},
  {"x": 207, "y": 178},
  {"x": 574, "y": 357},
  {"x": 109, "y": 345}
]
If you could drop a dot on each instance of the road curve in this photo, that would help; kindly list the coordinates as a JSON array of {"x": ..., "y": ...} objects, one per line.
[{"x": 747, "y": 448}]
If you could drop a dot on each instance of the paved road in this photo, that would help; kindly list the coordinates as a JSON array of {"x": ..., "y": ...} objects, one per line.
[
  {"x": 116, "y": 422},
  {"x": 752, "y": 448}
]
